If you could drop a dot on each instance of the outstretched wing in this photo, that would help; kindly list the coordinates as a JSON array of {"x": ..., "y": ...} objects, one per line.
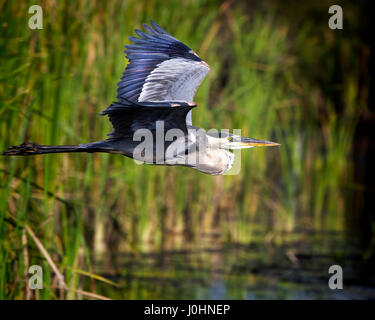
[
  {"x": 127, "y": 116},
  {"x": 160, "y": 68}
]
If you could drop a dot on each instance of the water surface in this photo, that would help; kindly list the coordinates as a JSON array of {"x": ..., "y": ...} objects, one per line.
[{"x": 258, "y": 270}]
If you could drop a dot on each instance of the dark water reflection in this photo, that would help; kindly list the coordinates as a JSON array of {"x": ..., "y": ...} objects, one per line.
[{"x": 260, "y": 270}]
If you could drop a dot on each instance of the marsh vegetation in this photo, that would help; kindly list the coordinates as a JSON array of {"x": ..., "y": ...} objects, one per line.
[{"x": 277, "y": 72}]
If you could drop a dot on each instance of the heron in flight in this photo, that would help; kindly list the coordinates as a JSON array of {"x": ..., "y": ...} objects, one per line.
[{"x": 151, "y": 118}]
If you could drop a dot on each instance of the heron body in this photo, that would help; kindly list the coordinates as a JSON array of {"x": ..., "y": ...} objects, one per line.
[
  {"x": 199, "y": 153},
  {"x": 151, "y": 118}
]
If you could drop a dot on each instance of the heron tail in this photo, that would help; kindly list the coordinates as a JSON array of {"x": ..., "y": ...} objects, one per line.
[{"x": 30, "y": 148}]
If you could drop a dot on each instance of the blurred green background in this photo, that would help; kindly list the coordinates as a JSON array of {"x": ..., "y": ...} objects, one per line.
[{"x": 119, "y": 230}]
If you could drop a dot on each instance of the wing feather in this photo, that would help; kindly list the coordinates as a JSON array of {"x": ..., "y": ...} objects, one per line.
[
  {"x": 127, "y": 116},
  {"x": 160, "y": 68}
]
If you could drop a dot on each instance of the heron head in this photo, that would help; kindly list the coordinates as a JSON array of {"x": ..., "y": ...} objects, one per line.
[{"x": 237, "y": 142}]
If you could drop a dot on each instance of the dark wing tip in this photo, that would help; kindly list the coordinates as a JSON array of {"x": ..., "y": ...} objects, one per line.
[{"x": 158, "y": 28}]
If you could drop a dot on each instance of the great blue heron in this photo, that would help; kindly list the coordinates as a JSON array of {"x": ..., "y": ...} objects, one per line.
[{"x": 156, "y": 91}]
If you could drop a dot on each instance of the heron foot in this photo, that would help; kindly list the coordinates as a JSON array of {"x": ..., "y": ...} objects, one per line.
[{"x": 24, "y": 149}]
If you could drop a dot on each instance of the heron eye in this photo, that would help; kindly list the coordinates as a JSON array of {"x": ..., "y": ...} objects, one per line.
[{"x": 230, "y": 138}]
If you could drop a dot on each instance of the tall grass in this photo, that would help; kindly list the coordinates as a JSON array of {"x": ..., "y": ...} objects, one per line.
[{"x": 55, "y": 81}]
